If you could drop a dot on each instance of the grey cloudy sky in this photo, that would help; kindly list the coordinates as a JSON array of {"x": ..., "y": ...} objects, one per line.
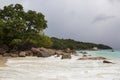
[{"x": 84, "y": 20}]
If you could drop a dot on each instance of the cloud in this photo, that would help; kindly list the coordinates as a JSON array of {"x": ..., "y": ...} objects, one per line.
[
  {"x": 100, "y": 18},
  {"x": 84, "y": 20},
  {"x": 114, "y": 0}
]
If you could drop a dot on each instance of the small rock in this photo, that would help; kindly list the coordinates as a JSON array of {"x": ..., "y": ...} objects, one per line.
[
  {"x": 107, "y": 61},
  {"x": 66, "y": 56}
]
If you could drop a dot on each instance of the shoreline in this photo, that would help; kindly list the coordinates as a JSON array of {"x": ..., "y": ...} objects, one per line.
[
  {"x": 90, "y": 67},
  {"x": 64, "y": 55}
]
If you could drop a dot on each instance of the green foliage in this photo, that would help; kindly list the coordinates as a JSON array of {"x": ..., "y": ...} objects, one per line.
[
  {"x": 41, "y": 40},
  {"x": 18, "y": 26},
  {"x": 72, "y": 44},
  {"x": 16, "y": 42}
]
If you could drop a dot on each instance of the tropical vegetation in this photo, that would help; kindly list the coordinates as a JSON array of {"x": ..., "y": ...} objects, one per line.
[
  {"x": 72, "y": 44},
  {"x": 20, "y": 27}
]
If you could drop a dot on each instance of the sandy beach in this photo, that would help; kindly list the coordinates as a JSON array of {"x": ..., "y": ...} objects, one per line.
[
  {"x": 53, "y": 68},
  {"x": 3, "y": 60}
]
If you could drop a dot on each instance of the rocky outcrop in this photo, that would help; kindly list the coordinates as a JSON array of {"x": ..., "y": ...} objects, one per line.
[
  {"x": 92, "y": 58},
  {"x": 41, "y": 52}
]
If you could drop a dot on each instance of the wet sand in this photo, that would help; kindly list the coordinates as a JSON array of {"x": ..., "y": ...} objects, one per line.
[{"x": 3, "y": 60}]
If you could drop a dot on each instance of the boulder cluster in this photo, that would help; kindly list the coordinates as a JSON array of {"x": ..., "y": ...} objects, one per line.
[{"x": 39, "y": 52}]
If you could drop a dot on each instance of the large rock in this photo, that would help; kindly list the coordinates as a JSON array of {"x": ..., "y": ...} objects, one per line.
[
  {"x": 66, "y": 56},
  {"x": 22, "y": 54},
  {"x": 35, "y": 51},
  {"x": 50, "y": 51},
  {"x": 43, "y": 54}
]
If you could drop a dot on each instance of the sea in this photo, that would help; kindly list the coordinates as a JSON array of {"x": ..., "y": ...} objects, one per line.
[{"x": 53, "y": 68}]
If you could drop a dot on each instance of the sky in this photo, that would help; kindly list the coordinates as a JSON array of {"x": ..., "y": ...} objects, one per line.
[{"x": 96, "y": 21}]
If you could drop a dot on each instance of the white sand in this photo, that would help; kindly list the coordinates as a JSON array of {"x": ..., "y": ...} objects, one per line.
[
  {"x": 33, "y": 68},
  {"x": 3, "y": 60}
]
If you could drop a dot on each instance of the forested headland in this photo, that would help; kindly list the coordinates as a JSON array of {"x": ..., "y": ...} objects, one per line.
[{"x": 72, "y": 44}]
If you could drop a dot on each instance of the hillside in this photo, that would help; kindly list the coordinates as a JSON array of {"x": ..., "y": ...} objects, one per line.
[{"x": 72, "y": 44}]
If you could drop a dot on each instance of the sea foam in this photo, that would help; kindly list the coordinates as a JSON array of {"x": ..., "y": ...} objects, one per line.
[{"x": 53, "y": 68}]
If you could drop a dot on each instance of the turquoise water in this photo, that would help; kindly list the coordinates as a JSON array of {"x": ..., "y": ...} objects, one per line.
[{"x": 106, "y": 53}]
